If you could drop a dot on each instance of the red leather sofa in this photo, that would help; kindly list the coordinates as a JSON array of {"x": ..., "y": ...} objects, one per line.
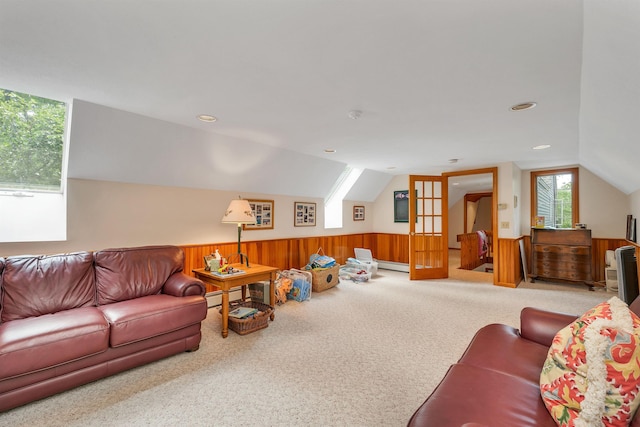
[
  {"x": 496, "y": 382},
  {"x": 70, "y": 319}
]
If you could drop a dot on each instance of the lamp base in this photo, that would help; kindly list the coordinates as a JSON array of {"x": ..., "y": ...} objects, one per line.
[{"x": 244, "y": 259}]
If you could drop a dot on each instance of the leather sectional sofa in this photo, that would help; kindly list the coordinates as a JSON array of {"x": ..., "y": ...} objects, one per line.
[
  {"x": 496, "y": 382},
  {"x": 70, "y": 319}
]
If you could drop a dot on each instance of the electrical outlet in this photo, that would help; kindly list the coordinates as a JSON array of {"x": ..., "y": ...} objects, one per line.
[{"x": 504, "y": 224}]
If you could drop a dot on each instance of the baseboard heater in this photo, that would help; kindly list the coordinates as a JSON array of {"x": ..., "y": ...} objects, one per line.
[
  {"x": 395, "y": 266},
  {"x": 214, "y": 299}
]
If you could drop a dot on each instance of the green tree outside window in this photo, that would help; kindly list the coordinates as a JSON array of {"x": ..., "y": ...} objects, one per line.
[{"x": 31, "y": 142}]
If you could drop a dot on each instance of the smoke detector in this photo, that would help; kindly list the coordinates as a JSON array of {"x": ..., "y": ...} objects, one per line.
[{"x": 355, "y": 114}]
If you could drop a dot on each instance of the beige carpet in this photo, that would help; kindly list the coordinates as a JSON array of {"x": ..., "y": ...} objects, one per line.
[
  {"x": 455, "y": 272},
  {"x": 360, "y": 354}
]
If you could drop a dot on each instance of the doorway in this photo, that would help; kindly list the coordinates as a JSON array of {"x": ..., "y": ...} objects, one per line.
[{"x": 477, "y": 185}]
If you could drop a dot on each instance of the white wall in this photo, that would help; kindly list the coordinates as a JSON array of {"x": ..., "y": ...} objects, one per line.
[
  {"x": 634, "y": 204},
  {"x": 456, "y": 223},
  {"x": 383, "y": 207},
  {"x": 113, "y": 145},
  {"x": 516, "y": 185},
  {"x": 505, "y": 196},
  {"x": 483, "y": 214},
  {"x": 602, "y": 207},
  {"x": 104, "y": 214}
]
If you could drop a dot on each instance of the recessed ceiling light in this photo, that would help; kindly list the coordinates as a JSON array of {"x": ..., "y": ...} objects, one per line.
[
  {"x": 355, "y": 114},
  {"x": 453, "y": 160},
  {"x": 391, "y": 167},
  {"x": 455, "y": 183},
  {"x": 330, "y": 150},
  {"x": 207, "y": 118},
  {"x": 523, "y": 106},
  {"x": 541, "y": 147}
]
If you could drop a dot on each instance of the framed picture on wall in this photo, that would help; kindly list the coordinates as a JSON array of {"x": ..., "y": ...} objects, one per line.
[
  {"x": 401, "y": 206},
  {"x": 632, "y": 231},
  {"x": 358, "y": 213},
  {"x": 304, "y": 214},
  {"x": 263, "y": 210}
]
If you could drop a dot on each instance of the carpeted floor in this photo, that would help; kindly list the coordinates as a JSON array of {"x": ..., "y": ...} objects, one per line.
[{"x": 359, "y": 354}]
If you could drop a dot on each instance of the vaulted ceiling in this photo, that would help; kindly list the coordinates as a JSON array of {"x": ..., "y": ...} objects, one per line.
[{"x": 394, "y": 87}]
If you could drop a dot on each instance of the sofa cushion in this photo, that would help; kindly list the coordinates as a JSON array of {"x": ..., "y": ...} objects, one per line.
[
  {"x": 153, "y": 315},
  {"x": 592, "y": 372},
  {"x": 124, "y": 274},
  {"x": 1, "y": 269},
  {"x": 517, "y": 356},
  {"x": 36, "y": 343},
  {"x": 37, "y": 285},
  {"x": 471, "y": 395}
]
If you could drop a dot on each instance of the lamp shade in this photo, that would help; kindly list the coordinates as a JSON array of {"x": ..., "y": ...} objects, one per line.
[{"x": 239, "y": 212}]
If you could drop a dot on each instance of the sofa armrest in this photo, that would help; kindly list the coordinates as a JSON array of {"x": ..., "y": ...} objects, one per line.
[
  {"x": 180, "y": 285},
  {"x": 541, "y": 326}
]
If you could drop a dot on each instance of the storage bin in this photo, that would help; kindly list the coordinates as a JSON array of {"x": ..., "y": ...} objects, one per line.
[
  {"x": 259, "y": 292},
  {"x": 300, "y": 284},
  {"x": 256, "y": 322},
  {"x": 324, "y": 278},
  {"x": 366, "y": 257},
  {"x": 356, "y": 274}
]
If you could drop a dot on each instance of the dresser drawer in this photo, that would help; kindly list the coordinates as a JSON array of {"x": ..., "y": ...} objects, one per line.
[{"x": 565, "y": 250}]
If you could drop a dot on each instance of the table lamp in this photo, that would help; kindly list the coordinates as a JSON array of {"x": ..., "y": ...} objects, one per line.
[{"x": 239, "y": 212}]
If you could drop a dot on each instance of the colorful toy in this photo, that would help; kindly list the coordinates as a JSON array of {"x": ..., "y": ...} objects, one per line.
[{"x": 283, "y": 286}]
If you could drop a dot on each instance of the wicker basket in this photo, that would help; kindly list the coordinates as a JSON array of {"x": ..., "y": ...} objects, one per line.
[
  {"x": 258, "y": 321},
  {"x": 324, "y": 278}
]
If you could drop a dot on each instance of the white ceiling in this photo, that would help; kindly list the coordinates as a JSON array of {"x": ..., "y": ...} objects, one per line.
[{"x": 434, "y": 79}]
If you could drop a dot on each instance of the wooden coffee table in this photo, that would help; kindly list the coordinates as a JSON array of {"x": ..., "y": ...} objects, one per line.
[{"x": 255, "y": 273}]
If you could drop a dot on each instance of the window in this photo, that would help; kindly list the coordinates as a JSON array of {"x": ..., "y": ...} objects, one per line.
[
  {"x": 333, "y": 202},
  {"x": 554, "y": 196},
  {"x": 31, "y": 142}
]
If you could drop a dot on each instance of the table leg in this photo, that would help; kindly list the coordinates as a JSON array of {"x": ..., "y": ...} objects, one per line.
[
  {"x": 272, "y": 295},
  {"x": 225, "y": 313}
]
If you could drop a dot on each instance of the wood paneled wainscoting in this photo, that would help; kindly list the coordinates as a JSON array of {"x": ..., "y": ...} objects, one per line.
[
  {"x": 294, "y": 253},
  {"x": 507, "y": 265}
]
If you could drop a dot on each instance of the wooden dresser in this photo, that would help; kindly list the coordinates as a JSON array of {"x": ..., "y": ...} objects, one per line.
[{"x": 561, "y": 255}]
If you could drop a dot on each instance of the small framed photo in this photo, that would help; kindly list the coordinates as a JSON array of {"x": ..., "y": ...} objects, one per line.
[
  {"x": 207, "y": 262},
  {"x": 263, "y": 210},
  {"x": 358, "y": 213},
  {"x": 631, "y": 228},
  {"x": 211, "y": 263},
  {"x": 304, "y": 214}
]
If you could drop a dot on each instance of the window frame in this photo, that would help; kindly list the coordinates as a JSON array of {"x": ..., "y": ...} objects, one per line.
[{"x": 574, "y": 172}]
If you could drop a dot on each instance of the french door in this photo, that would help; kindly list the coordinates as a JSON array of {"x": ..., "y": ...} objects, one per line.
[{"x": 428, "y": 244}]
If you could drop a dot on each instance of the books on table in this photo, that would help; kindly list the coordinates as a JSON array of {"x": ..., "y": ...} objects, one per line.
[{"x": 242, "y": 312}]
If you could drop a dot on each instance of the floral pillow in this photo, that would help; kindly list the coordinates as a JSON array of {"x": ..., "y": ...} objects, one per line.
[{"x": 591, "y": 376}]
